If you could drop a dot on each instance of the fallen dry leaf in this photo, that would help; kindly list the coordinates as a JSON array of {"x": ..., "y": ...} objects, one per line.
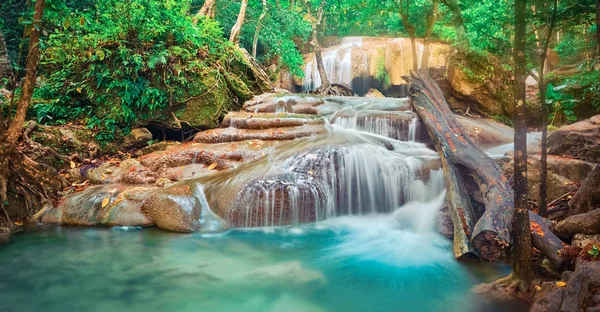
[
  {"x": 72, "y": 165},
  {"x": 561, "y": 284},
  {"x": 105, "y": 202},
  {"x": 212, "y": 166}
]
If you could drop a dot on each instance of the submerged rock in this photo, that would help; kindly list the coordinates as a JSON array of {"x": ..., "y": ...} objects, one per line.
[{"x": 106, "y": 205}]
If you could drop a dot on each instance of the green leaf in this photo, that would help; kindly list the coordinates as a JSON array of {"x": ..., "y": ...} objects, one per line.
[{"x": 100, "y": 54}]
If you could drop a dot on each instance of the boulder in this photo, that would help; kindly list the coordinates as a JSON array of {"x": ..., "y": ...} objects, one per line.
[
  {"x": 137, "y": 138},
  {"x": 564, "y": 175},
  {"x": 374, "y": 93},
  {"x": 580, "y": 140},
  {"x": 175, "y": 208},
  {"x": 106, "y": 205}
]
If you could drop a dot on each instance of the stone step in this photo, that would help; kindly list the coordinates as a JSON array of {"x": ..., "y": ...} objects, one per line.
[
  {"x": 222, "y": 135},
  {"x": 258, "y": 121}
]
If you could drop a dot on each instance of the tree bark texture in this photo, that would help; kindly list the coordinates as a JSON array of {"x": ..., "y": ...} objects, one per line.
[
  {"x": 316, "y": 26},
  {"x": 461, "y": 158},
  {"x": 545, "y": 240},
  {"x": 428, "y": 31},
  {"x": 403, "y": 7},
  {"x": 8, "y": 140},
  {"x": 208, "y": 9},
  {"x": 237, "y": 27},
  {"x": 543, "y": 191},
  {"x": 258, "y": 26},
  {"x": 522, "y": 268},
  {"x": 587, "y": 197},
  {"x": 5, "y": 68}
]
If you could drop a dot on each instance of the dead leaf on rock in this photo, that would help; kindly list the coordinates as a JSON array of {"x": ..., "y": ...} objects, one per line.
[{"x": 105, "y": 202}]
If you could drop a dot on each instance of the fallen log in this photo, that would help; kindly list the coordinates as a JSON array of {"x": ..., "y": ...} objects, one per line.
[
  {"x": 490, "y": 235},
  {"x": 585, "y": 223},
  {"x": 545, "y": 241}
]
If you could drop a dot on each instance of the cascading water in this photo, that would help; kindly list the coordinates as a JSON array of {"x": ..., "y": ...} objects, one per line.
[
  {"x": 337, "y": 63},
  {"x": 368, "y": 162}
]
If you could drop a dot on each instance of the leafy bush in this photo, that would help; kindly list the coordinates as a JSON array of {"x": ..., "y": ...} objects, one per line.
[
  {"x": 128, "y": 60},
  {"x": 561, "y": 105}
]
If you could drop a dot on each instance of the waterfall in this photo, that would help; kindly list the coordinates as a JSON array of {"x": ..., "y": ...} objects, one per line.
[
  {"x": 369, "y": 162},
  {"x": 354, "y": 62},
  {"x": 337, "y": 63}
]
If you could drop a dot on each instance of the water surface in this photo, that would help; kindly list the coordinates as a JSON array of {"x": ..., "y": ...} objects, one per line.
[{"x": 361, "y": 263}]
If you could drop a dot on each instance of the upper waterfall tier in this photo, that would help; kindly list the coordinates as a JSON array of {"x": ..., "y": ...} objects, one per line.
[{"x": 361, "y": 62}]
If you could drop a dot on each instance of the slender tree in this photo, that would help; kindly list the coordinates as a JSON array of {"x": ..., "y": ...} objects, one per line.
[
  {"x": 316, "y": 23},
  {"x": 258, "y": 26},
  {"x": 522, "y": 269},
  {"x": 598, "y": 26},
  {"x": 458, "y": 22},
  {"x": 9, "y": 139},
  {"x": 403, "y": 10},
  {"x": 431, "y": 19},
  {"x": 543, "y": 210},
  {"x": 208, "y": 9},
  {"x": 237, "y": 27},
  {"x": 5, "y": 70}
]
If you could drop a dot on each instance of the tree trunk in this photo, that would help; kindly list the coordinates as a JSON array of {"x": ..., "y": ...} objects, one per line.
[
  {"x": 459, "y": 24},
  {"x": 237, "y": 28},
  {"x": 208, "y": 9},
  {"x": 598, "y": 26},
  {"x": 462, "y": 159},
  {"x": 5, "y": 69},
  {"x": 8, "y": 143},
  {"x": 522, "y": 268},
  {"x": 587, "y": 197},
  {"x": 316, "y": 25},
  {"x": 428, "y": 31},
  {"x": 543, "y": 191},
  {"x": 258, "y": 26},
  {"x": 410, "y": 28}
]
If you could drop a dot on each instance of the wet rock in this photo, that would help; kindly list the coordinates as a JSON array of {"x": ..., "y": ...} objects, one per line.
[
  {"x": 279, "y": 200},
  {"x": 276, "y": 103},
  {"x": 580, "y": 140},
  {"x": 581, "y": 240},
  {"x": 245, "y": 120},
  {"x": 106, "y": 205},
  {"x": 278, "y": 134},
  {"x": 137, "y": 138},
  {"x": 291, "y": 272},
  {"x": 485, "y": 132},
  {"x": 175, "y": 208},
  {"x": 374, "y": 93}
]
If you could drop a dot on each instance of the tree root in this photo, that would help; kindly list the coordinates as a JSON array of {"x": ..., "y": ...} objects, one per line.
[{"x": 39, "y": 150}]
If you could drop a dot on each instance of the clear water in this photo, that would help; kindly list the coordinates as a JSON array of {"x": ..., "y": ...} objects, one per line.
[{"x": 362, "y": 263}]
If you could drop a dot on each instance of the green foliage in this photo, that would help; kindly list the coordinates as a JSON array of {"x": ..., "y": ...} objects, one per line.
[
  {"x": 279, "y": 32},
  {"x": 594, "y": 252},
  {"x": 561, "y": 105},
  {"x": 127, "y": 60},
  {"x": 381, "y": 72}
]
